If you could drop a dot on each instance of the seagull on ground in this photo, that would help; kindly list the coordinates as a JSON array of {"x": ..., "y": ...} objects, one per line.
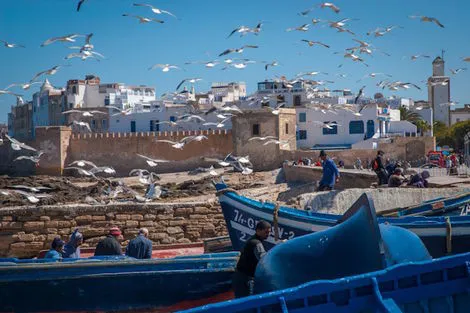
[
  {"x": 154, "y": 9},
  {"x": 428, "y": 19},
  {"x": 80, "y": 171},
  {"x": 143, "y": 20},
  {"x": 11, "y": 45}
]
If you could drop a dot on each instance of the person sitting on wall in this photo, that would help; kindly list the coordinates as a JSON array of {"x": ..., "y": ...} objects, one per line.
[
  {"x": 110, "y": 245},
  {"x": 56, "y": 249},
  {"x": 420, "y": 180},
  {"x": 397, "y": 178},
  {"x": 330, "y": 173}
]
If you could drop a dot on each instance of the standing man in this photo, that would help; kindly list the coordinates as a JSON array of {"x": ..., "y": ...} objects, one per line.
[
  {"x": 110, "y": 245},
  {"x": 379, "y": 168},
  {"x": 140, "y": 247},
  {"x": 243, "y": 279},
  {"x": 330, "y": 173}
]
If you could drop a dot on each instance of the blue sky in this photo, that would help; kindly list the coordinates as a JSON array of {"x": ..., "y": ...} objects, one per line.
[{"x": 200, "y": 33}]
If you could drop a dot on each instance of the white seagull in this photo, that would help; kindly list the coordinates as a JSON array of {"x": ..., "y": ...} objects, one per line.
[
  {"x": 237, "y": 50},
  {"x": 84, "y": 113},
  {"x": 428, "y": 19},
  {"x": 330, "y": 6},
  {"x": 311, "y": 43},
  {"x": 143, "y": 19},
  {"x": 67, "y": 38},
  {"x": 151, "y": 162},
  {"x": 11, "y": 45},
  {"x": 164, "y": 67},
  {"x": 189, "y": 80},
  {"x": 154, "y": 9}
]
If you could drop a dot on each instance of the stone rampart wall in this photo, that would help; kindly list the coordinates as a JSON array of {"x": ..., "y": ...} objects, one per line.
[{"x": 25, "y": 231}]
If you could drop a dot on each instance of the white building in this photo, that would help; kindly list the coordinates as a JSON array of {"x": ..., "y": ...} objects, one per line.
[
  {"x": 460, "y": 114},
  {"x": 374, "y": 123},
  {"x": 439, "y": 92},
  {"x": 90, "y": 93},
  {"x": 228, "y": 92}
]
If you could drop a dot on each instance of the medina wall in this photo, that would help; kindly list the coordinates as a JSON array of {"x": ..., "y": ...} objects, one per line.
[{"x": 119, "y": 150}]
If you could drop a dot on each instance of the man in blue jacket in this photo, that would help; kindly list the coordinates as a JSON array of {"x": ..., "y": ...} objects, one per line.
[
  {"x": 140, "y": 247},
  {"x": 330, "y": 173}
]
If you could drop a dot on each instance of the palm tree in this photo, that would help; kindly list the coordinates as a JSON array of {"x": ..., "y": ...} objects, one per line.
[
  {"x": 408, "y": 115},
  {"x": 422, "y": 126}
]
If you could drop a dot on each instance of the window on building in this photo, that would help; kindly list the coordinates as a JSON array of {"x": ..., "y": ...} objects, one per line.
[
  {"x": 152, "y": 124},
  {"x": 157, "y": 125},
  {"x": 330, "y": 131},
  {"x": 133, "y": 127},
  {"x": 93, "y": 124},
  {"x": 287, "y": 128},
  {"x": 302, "y": 117},
  {"x": 255, "y": 130},
  {"x": 104, "y": 125},
  {"x": 457, "y": 120},
  {"x": 297, "y": 100},
  {"x": 302, "y": 135},
  {"x": 173, "y": 118},
  {"x": 356, "y": 127}
]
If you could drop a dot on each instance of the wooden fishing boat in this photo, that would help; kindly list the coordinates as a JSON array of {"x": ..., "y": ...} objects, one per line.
[
  {"x": 441, "y": 235},
  {"x": 439, "y": 285},
  {"x": 115, "y": 283}
]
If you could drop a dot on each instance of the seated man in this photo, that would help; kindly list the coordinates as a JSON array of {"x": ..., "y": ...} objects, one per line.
[
  {"x": 110, "y": 245},
  {"x": 56, "y": 249},
  {"x": 140, "y": 247},
  {"x": 397, "y": 178},
  {"x": 419, "y": 180}
]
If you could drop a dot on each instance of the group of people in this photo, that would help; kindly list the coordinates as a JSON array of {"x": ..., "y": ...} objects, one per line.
[
  {"x": 139, "y": 247},
  {"x": 393, "y": 174}
]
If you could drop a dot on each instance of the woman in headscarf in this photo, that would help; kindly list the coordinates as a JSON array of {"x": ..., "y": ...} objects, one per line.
[{"x": 72, "y": 248}]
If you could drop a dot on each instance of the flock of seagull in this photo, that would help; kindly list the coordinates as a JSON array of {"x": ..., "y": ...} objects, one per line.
[{"x": 86, "y": 50}]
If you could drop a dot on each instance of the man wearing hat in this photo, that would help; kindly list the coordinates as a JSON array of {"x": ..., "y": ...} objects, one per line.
[
  {"x": 56, "y": 249},
  {"x": 110, "y": 245},
  {"x": 330, "y": 173}
]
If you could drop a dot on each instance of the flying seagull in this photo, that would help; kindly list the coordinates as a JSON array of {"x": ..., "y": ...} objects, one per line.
[
  {"x": 359, "y": 94},
  {"x": 311, "y": 43},
  {"x": 428, "y": 19},
  {"x": 11, "y": 45},
  {"x": 189, "y": 80},
  {"x": 51, "y": 71},
  {"x": 151, "y": 162},
  {"x": 330, "y": 6},
  {"x": 154, "y": 9},
  {"x": 79, "y": 5},
  {"x": 143, "y": 19},
  {"x": 24, "y": 86},
  {"x": 237, "y": 50},
  {"x": 66, "y": 38},
  {"x": 164, "y": 67}
]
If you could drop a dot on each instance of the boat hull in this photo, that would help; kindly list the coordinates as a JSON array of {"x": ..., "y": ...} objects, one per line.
[
  {"x": 95, "y": 285},
  {"x": 441, "y": 235}
]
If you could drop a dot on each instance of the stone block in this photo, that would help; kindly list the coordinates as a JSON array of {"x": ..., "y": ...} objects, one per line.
[
  {"x": 197, "y": 217},
  {"x": 123, "y": 217},
  {"x": 22, "y": 236},
  {"x": 158, "y": 236},
  {"x": 45, "y": 218},
  {"x": 63, "y": 224},
  {"x": 7, "y": 218},
  {"x": 28, "y": 218},
  {"x": 201, "y": 210},
  {"x": 147, "y": 224},
  {"x": 131, "y": 232},
  {"x": 168, "y": 240},
  {"x": 51, "y": 224},
  {"x": 163, "y": 217},
  {"x": 94, "y": 232},
  {"x": 83, "y": 219},
  {"x": 132, "y": 224},
  {"x": 29, "y": 226},
  {"x": 178, "y": 223},
  {"x": 98, "y": 218},
  {"x": 5, "y": 242},
  {"x": 174, "y": 230},
  {"x": 193, "y": 235},
  {"x": 183, "y": 211},
  {"x": 149, "y": 217},
  {"x": 11, "y": 226},
  {"x": 25, "y": 249},
  {"x": 179, "y": 236},
  {"x": 110, "y": 216},
  {"x": 50, "y": 237},
  {"x": 137, "y": 217},
  {"x": 100, "y": 224},
  {"x": 40, "y": 238},
  {"x": 65, "y": 231}
]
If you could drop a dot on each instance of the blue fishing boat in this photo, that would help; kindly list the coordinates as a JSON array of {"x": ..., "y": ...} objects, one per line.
[
  {"x": 455, "y": 205},
  {"x": 357, "y": 238},
  {"x": 115, "y": 283},
  {"x": 442, "y": 235},
  {"x": 439, "y": 285}
]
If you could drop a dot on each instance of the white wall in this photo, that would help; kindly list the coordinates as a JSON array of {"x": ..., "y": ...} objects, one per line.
[
  {"x": 402, "y": 127},
  {"x": 461, "y": 116}
]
